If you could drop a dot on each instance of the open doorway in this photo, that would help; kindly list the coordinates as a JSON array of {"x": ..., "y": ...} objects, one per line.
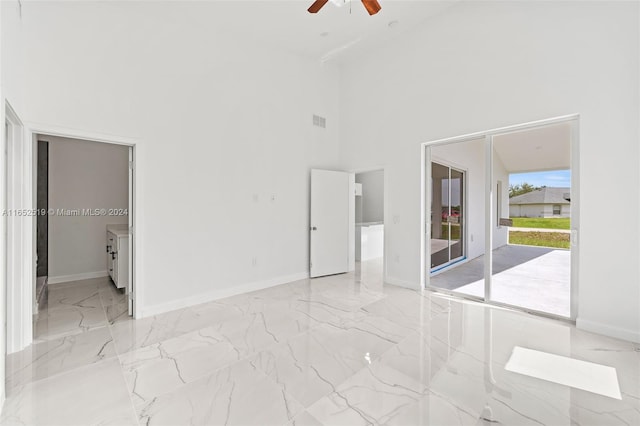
[
  {"x": 519, "y": 235},
  {"x": 369, "y": 222},
  {"x": 83, "y": 234},
  {"x": 42, "y": 223}
]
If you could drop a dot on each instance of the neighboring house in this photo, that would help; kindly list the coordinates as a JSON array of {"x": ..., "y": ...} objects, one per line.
[{"x": 543, "y": 202}]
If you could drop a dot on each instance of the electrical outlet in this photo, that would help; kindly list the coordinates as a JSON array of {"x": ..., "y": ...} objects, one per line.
[
  {"x": 254, "y": 261},
  {"x": 397, "y": 258}
]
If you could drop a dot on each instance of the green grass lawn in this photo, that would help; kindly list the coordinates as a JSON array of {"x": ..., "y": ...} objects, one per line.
[
  {"x": 541, "y": 239},
  {"x": 455, "y": 231},
  {"x": 542, "y": 222}
]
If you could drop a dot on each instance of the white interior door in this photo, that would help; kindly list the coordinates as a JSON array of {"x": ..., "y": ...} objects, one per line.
[{"x": 329, "y": 222}]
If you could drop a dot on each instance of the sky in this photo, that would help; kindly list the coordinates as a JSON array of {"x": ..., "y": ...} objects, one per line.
[{"x": 561, "y": 178}]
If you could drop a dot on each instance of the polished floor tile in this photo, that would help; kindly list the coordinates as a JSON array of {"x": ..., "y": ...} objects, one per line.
[
  {"x": 374, "y": 395},
  {"x": 311, "y": 365},
  {"x": 51, "y": 357},
  {"x": 339, "y": 350},
  {"x": 67, "y": 321},
  {"x": 237, "y": 395},
  {"x": 163, "y": 367},
  {"x": 91, "y": 395}
]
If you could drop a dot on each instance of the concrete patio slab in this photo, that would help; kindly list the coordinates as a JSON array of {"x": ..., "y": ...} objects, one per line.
[{"x": 535, "y": 278}]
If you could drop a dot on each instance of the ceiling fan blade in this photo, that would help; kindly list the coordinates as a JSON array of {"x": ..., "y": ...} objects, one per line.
[
  {"x": 372, "y": 6},
  {"x": 317, "y": 5}
]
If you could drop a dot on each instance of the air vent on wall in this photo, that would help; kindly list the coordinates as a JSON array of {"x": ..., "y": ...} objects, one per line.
[{"x": 319, "y": 121}]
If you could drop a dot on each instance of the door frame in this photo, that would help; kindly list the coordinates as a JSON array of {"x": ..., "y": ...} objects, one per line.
[
  {"x": 487, "y": 135},
  {"x": 385, "y": 220},
  {"x": 451, "y": 165},
  {"x": 19, "y": 247},
  {"x": 24, "y": 255}
]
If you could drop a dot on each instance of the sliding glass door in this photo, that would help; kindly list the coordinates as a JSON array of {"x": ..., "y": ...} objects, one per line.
[
  {"x": 447, "y": 214},
  {"x": 500, "y": 212}
]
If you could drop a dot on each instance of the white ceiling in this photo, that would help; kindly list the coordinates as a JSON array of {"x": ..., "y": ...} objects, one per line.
[
  {"x": 287, "y": 25},
  {"x": 544, "y": 148}
]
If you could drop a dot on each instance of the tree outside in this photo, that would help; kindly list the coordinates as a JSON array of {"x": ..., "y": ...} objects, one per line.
[{"x": 522, "y": 188}]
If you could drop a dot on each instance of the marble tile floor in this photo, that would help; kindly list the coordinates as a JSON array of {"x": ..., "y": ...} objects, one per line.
[{"x": 339, "y": 350}]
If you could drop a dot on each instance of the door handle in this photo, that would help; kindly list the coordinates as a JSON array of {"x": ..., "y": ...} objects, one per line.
[{"x": 313, "y": 228}]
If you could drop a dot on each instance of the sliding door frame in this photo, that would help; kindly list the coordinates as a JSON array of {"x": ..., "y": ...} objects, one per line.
[
  {"x": 426, "y": 194},
  {"x": 463, "y": 220}
]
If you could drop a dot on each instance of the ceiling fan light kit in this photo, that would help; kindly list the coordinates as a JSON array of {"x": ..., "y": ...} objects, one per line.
[{"x": 372, "y": 6}]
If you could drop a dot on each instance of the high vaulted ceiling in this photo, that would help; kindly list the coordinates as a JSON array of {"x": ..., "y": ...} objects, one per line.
[{"x": 332, "y": 34}]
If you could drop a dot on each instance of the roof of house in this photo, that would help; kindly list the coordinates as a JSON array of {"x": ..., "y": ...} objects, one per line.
[{"x": 544, "y": 196}]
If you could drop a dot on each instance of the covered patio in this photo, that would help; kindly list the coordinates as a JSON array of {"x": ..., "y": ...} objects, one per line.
[{"x": 535, "y": 278}]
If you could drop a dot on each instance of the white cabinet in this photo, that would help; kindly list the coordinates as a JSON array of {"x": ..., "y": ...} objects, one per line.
[
  {"x": 369, "y": 241},
  {"x": 118, "y": 255}
]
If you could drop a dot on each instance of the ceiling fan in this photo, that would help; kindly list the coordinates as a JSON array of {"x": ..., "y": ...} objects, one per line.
[{"x": 372, "y": 6}]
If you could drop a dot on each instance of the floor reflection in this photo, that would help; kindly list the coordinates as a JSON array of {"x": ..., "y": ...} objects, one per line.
[{"x": 339, "y": 350}]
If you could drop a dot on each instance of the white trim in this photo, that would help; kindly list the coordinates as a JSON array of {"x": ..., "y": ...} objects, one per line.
[
  {"x": 574, "y": 214},
  {"x": 504, "y": 130},
  {"x": 352, "y": 223},
  {"x": 488, "y": 216},
  {"x": 77, "y": 277},
  {"x": 135, "y": 255},
  {"x": 21, "y": 269},
  {"x": 402, "y": 283},
  {"x": 607, "y": 330},
  {"x": 64, "y": 132},
  {"x": 426, "y": 175},
  {"x": 222, "y": 293}
]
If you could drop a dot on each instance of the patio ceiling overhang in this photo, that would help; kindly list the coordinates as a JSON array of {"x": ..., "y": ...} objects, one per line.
[{"x": 534, "y": 150}]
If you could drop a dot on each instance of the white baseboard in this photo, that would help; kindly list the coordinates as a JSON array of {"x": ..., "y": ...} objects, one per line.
[
  {"x": 401, "y": 283},
  {"x": 220, "y": 294},
  {"x": 76, "y": 277},
  {"x": 607, "y": 330}
]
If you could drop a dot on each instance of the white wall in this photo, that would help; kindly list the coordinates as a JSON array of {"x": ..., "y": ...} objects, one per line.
[
  {"x": 223, "y": 129},
  {"x": 84, "y": 175},
  {"x": 484, "y": 65},
  {"x": 211, "y": 139},
  {"x": 372, "y": 200},
  {"x": 3, "y": 239}
]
